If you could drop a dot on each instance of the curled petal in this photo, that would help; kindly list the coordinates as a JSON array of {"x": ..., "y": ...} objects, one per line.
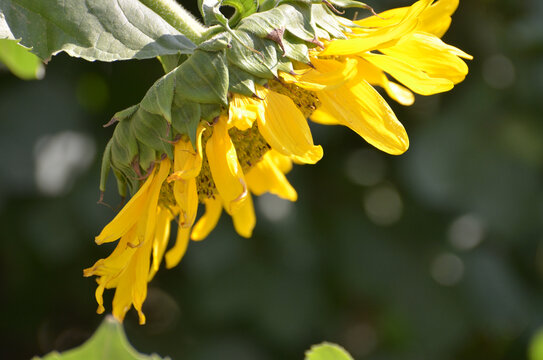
[
  {"x": 208, "y": 221},
  {"x": 225, "y": 167},
  {"x": 286, "y": 130}
]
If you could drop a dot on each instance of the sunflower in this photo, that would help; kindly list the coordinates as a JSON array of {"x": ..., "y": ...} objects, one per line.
[
  {"x": 253, "y": 139},
  {"x": 403, "y": 43}
]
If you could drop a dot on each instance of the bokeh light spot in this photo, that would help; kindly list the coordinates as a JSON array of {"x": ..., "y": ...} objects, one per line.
[
  {"x": 466, "y": 232},
  {"x": 383, "y": 205},
  {"x": 274, "y": 208},
  {"x": 499, "y": 72},
  {"x": 365, "y": 167},
  {"x": 447, "y": 269},
  {"x": 59, "y": 159}
]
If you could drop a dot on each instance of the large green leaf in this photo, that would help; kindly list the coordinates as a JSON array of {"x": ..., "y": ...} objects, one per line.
[
  {"x": 108, "y": 342},
  {"x": 20, "y": 61},
  {"x": 102, "y": 30}
]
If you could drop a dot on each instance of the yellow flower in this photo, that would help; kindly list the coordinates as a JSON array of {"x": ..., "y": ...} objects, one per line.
[
  {"x": 249, "y": 150},
  {"x": 403, "y": 43},
  {"x": 253, "y": 143}
]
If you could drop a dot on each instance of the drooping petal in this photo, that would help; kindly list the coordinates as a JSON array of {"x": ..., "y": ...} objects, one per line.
[
  {"x": 129, "y": 214},
  {"x": 187, "y": 160},
  {"x": 175, "y": 254},
  {"x": 266, "y": 176},
  {"x": 225, "y": 168},
  {"x": 360, "y": 107},
  {"x": 186, "y": 196},
  {"x": 412, "y": 77},
  {"x": 162, "y": 236},
  {"x": 208, "y": 221},
  {"x": 244, "y": 219},
  {"x": 286, "y": 130}
]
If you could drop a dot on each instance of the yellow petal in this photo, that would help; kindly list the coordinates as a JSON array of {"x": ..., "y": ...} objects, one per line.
[
  {"x": 431, "y": 55},
  {"x": 162, "y": 236},
  {"x": 366, "y": 40},
  {"x": 242, "y": 111},
  {"x": 244, "y": 219},
  {"x": 187, "y": 160},
  {"x": 225, "y": 167},
  {"x": 282, "y": 162},
  {"x": 360, "y": 107},
  {"x": 186, "y": 196},
  {"x": 412, "y": 77},
  {"x": 208, "y": 221},
  {"x": 328, "y": 74},
  {"x": 437, "y": 18},
  {"x": 376, "y": 76},
  {"x": 265, "y": 176},
  {"x": 175, "y": 254},
  {"x": 286, "y": 130},
  {"x": 129, "y": 214}
]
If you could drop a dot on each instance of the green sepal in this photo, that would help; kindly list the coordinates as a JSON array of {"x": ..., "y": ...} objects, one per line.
[
  {"x": 153, "y": 131},
  {"x": 210, "y": 111},
  {"x": 159, "y": 97},
  {"x": 218, "y": 42},
  {"x": 124, "y": 114},
  {"x": 350, "y": 4},
  {"x": 296, "y": 49},
  {"x": 253, "y": 54},
  {"x": 147, "y": 156},
  {"x": 170, "y": 62},
  {"x": 241, "y": 82},
  {"x": 124, "y": 146},
  {"x": 327, "y": 21},
  {"x": 203, "y": 78},
  {"x": 122, "y": 186},
  {"x": 106, "y": 166},
  {"x": 185, "y": 119}
]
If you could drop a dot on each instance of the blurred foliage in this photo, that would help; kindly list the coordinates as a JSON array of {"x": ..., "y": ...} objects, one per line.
[
  {"x": 20, "y": 61},
  {"x": 327, "y": 351},
  {"x": 108, "y": 342},
  {"x": 436, "y": 254}
]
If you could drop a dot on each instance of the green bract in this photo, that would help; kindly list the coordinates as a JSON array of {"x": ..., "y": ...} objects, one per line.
[
  {"x": 248, "y": 49},
  {"x": 262, "y": 38}
]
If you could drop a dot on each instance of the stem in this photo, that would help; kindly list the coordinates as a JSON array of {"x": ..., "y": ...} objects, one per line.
[{"x": 178, "y": 17}]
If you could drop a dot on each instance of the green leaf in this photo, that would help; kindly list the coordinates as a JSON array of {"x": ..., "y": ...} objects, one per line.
[
  {"x": 108, "y": 342},
  {"x": 210, "y": 10},
  {"x": 327, "y": 21},
  {"x": 327, "y": 351},
  {"x": 20, "y": 61},
  {"x": 170, "y": 62},
  {"x": 350, "y": 4},
  {"x": 102, "y": 30}
]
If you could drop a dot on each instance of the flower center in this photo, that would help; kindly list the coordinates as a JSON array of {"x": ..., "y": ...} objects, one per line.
[
  {"x": 307, "y": 101},
  {"x": 250, "y": 148}
]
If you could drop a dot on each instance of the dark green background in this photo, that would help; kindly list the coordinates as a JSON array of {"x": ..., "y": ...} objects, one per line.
[{"x": 350, "y": 263}]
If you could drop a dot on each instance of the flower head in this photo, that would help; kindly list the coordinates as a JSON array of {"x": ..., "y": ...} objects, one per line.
[{"x": 231, "y": 119}]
